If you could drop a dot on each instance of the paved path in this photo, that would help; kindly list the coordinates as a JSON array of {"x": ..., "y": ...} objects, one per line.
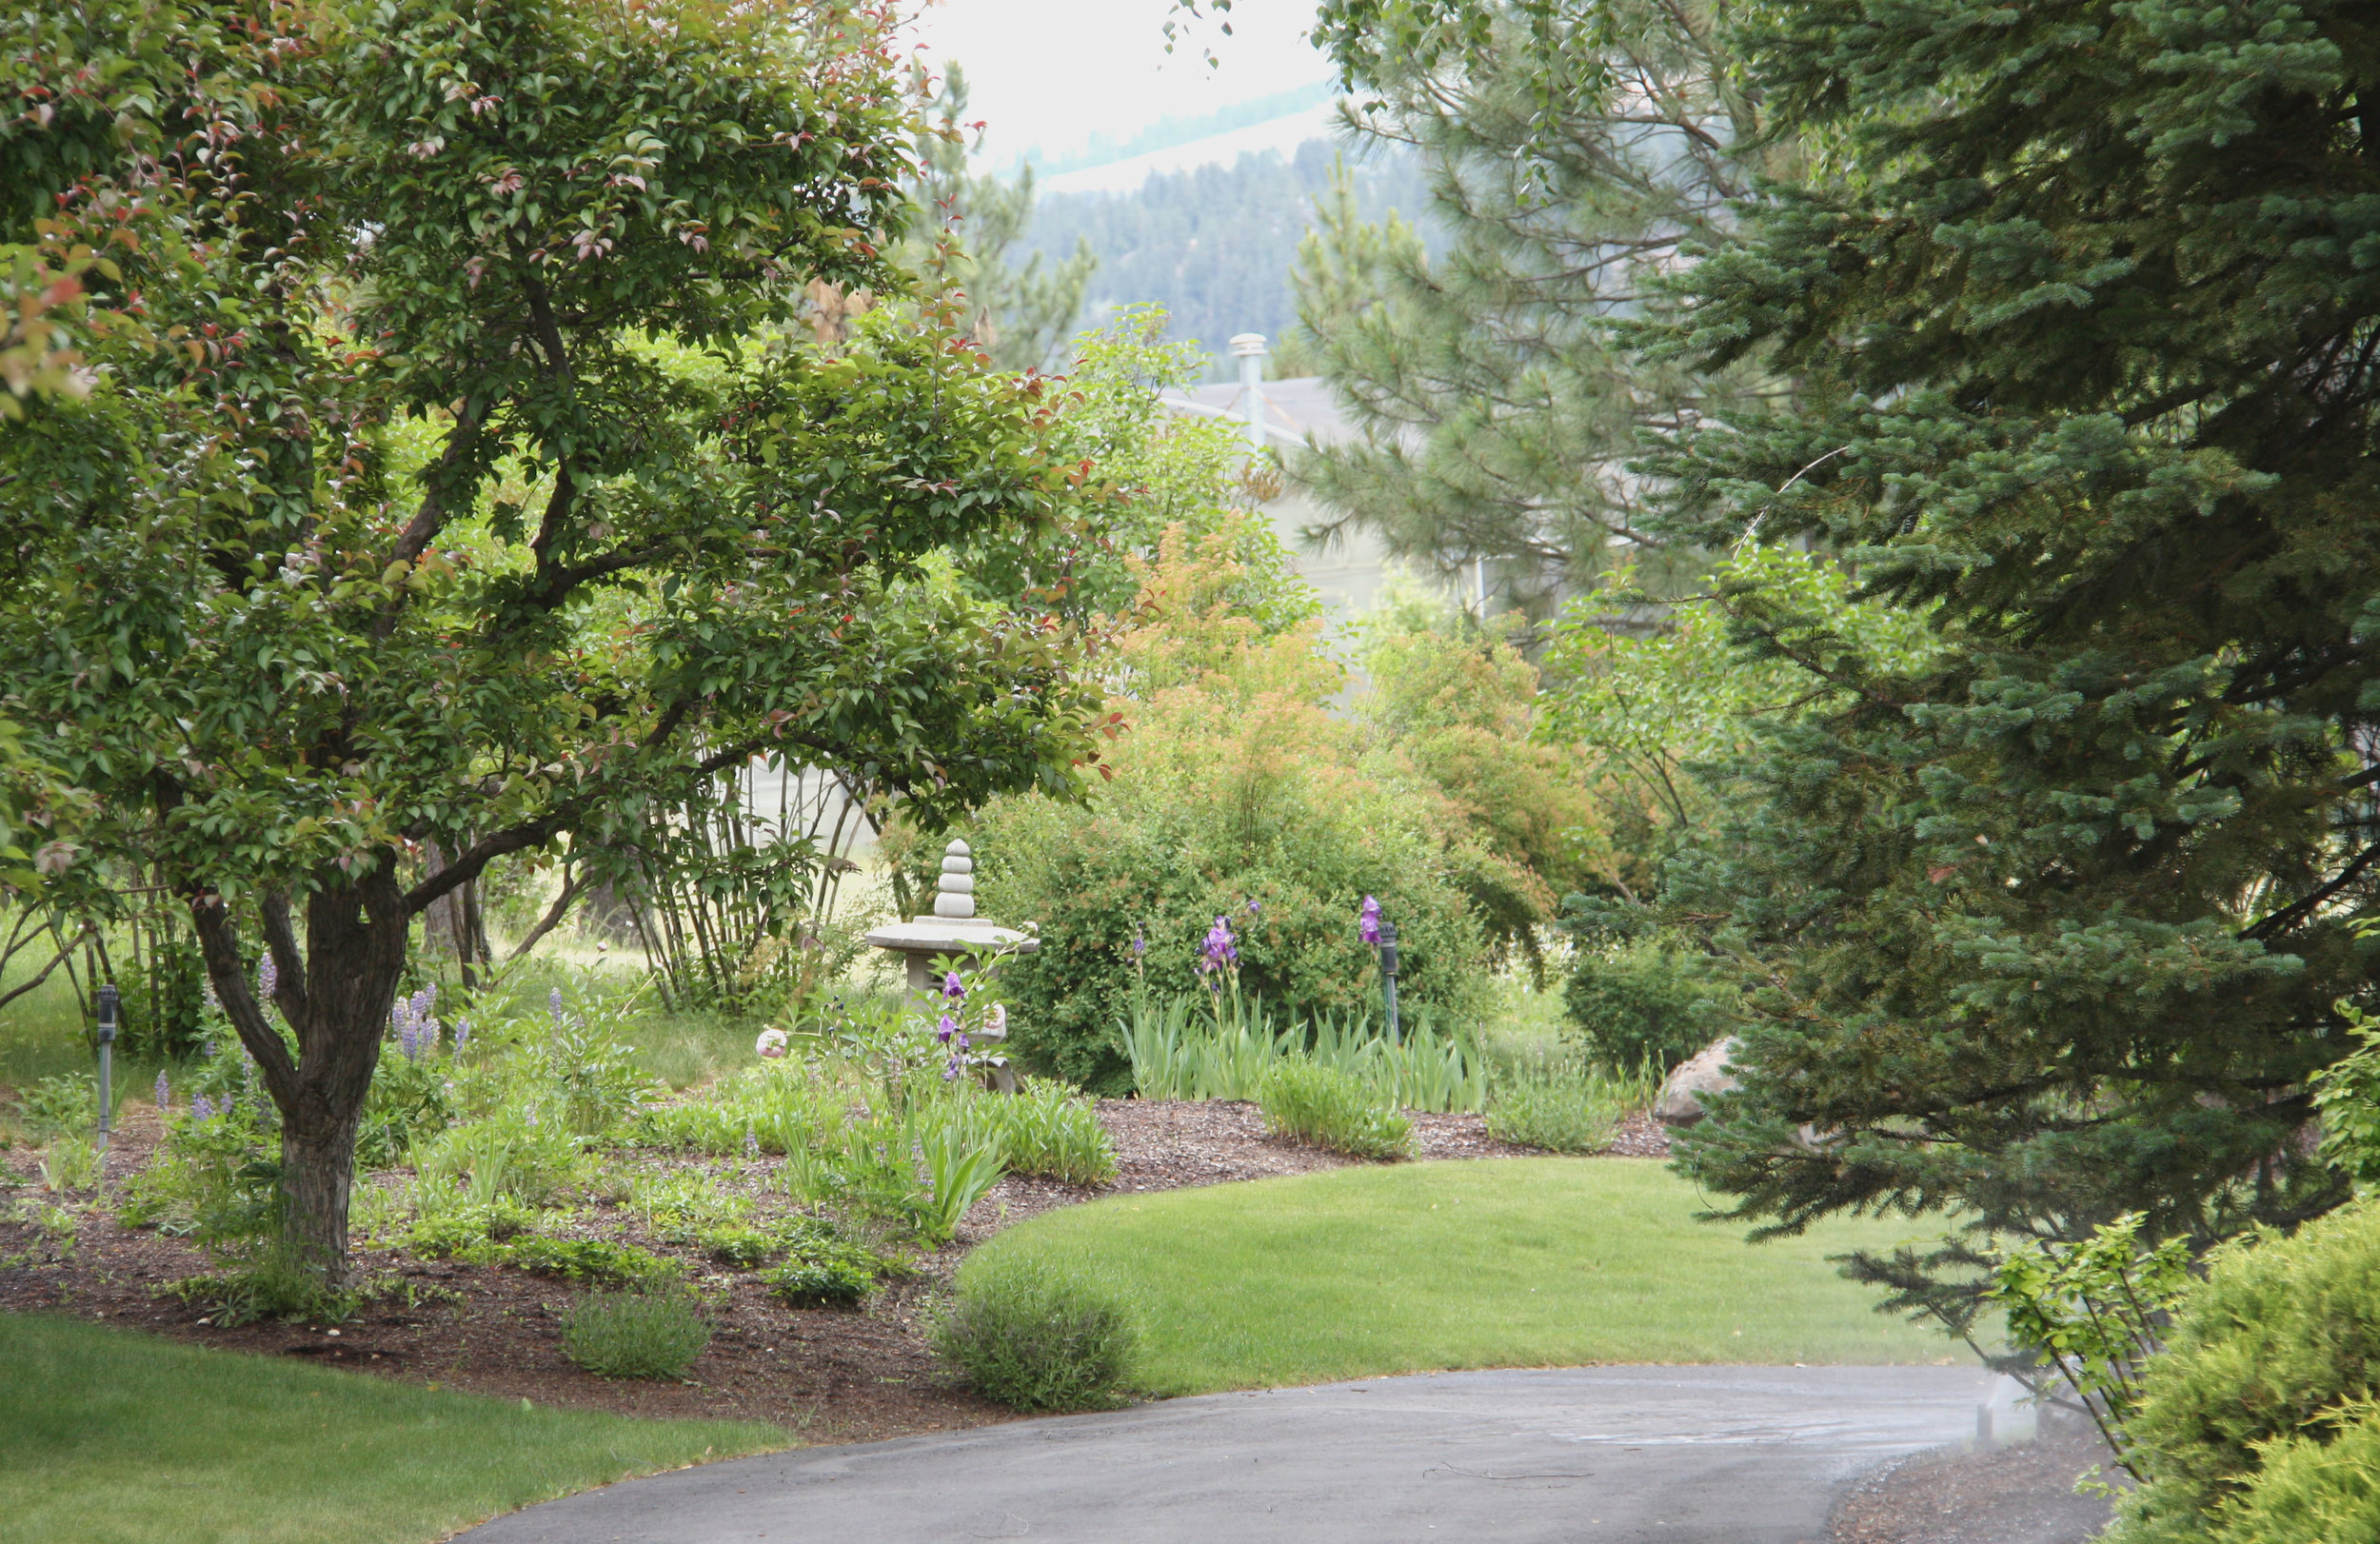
[{"x": 1582, "y": 1455}]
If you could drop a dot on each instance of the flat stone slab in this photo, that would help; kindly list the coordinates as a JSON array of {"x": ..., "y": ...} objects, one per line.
[{"x": 1569, "y": 1455}]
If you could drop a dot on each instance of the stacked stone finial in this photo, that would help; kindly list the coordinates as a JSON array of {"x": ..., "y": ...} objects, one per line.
[{"x": 954, "y": 896}]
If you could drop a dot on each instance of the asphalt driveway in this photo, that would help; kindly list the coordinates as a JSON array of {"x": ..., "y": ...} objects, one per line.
[{"x": 1580, "y": 1456}]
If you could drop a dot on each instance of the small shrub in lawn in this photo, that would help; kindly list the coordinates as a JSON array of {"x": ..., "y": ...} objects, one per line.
[
  {"x": 1331, "y": 1109},
  {"x": 1563, "y": 1110},
  {"x": 655, "y": 1331},
  {"x": 1039, "y": 1336}
]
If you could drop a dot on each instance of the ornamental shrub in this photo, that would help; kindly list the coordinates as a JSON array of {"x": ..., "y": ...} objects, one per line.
[
  {"x": 1640, "y": 1002},
  {"x": 1235, "y": 784},
  {"x": 1036, "y": 1335},
  {"x": 653, "y": 1332},
  {"x": 2256, "y": 1423},
  {"x": 1333, "y": 1109}
]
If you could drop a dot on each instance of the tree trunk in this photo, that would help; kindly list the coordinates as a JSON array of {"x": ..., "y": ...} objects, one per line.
[
  {"x": 336, "y": 996},
  {"x": 317, "y": 1173}
]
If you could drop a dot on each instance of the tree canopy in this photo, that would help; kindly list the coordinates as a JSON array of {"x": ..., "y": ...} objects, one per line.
[
  {"x": 447, "y": 469},
  {"x": 2052, "y": 924}
]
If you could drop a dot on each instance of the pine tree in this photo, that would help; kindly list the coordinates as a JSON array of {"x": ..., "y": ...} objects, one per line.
[
  {"x": 2085, "y": 330},
  {"x": 1497, "y": 412},
  {"x": 1025, "y": 316}
]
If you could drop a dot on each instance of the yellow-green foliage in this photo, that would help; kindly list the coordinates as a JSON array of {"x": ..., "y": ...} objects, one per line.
[
  {"x": 1232, "y": 785},
  {"x": 2272, "y": 1366}
]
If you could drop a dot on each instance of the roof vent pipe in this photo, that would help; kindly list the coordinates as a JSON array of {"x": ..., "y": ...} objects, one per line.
[{"x": 1248, "y": 348}]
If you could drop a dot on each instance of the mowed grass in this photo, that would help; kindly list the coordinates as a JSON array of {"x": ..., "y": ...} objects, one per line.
[
  {"x": 110, "y": 1435},
  {"x": 1515, "y": 1263}
]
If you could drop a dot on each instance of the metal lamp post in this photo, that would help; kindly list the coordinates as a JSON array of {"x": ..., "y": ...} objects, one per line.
[
  {"x": 109, "y": 999},
  {"x": 1388, "y": 974}
]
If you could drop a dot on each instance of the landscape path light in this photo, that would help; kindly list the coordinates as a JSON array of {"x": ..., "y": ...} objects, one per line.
[
  {"x": 109, "y": 999},
  {"x": 1388, "y": 974}
]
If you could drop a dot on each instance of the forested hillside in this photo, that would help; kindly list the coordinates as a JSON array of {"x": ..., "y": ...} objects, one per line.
[{"x": 1215, "y": 245}]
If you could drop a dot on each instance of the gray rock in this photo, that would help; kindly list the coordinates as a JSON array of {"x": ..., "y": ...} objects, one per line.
[{"x": 1679, "y": 1103}]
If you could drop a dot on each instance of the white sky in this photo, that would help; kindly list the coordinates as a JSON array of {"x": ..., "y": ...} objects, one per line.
[{"x": 1048, "y": 73}]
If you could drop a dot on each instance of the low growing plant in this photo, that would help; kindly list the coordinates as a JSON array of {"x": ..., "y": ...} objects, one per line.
[
  {"x": 1331, "y": 1109},
  {"x": 1039, "y": 1336},
  {"x": 651, "y": 1332},
  {"x": 823, "y": 1272},
  {"x": 1560, "y": 1109}
]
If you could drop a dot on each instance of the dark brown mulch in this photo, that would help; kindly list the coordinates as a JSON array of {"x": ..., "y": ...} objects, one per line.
[
  {"x": 836, "y": 1375},
  {"x": 2021, "y": 1494}
]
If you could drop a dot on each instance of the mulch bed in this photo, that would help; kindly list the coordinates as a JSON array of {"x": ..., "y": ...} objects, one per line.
[
  {"x": 2022, "y": 1494},
  {"x": 833, "y": 1375}
]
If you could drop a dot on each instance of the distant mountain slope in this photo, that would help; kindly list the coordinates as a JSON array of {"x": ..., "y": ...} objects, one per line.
[
  {"x": 1166, "y": 133},
  {"x": 1214, "y": 245}
]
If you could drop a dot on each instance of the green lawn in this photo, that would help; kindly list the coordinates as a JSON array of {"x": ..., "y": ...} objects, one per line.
[
  {"x": 108, "y": 1435},
  {"x": 1516, "y": 1262}
]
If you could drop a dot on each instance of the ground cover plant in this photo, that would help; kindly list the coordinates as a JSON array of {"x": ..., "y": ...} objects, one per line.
[
  {"x": 1497, "y": 1264},
  {"x": 1331, "y": 1109},
  {"x": 98, "y": 1443}
]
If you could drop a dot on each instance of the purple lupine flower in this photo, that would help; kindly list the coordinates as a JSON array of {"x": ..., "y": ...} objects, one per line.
[
  {"x": 462, "y": 1033},
  {"x": 1368, "y": 925},
  {"x": 553, "y": 1004},
  {"x": 751, "y": 1145},
  {"x": 165, "y": 1092},
  {"x": 268, "y": 977},
  {"x": 953, "y": 987},
  {"x": 207, "y": 991},
  {"x": 202, "y": 1108}
]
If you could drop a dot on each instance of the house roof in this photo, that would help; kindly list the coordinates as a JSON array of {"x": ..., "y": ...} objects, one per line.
[{"x": 1293, "y": 408}]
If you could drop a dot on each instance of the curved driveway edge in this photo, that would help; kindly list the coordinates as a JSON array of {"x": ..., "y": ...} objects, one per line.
[{"x": 1579, "y": 1456}]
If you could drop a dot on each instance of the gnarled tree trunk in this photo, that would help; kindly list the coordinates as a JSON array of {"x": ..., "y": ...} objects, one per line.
[{"x": 335, "y": 995}]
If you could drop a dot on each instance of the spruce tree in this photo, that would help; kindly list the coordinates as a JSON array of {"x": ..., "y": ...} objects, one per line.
[
  {"x": 1497, "y": 412},
  {"x": 2085, "y": 327}
]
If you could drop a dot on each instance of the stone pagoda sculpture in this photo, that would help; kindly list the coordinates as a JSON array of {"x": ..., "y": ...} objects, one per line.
[{"x": 953, "y": 929}]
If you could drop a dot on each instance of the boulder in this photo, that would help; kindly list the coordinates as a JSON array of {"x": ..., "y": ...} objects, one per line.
[{"x": 1679, "y": 1103}]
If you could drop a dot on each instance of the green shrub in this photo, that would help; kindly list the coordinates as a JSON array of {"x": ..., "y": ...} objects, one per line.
[
  {"x": 1560, "y": 1109},
  {"x": 2269, "y": 1371},
  {"x": 1639, "y": 1001},
  {"x": 1331, "y": 1109},
  {"x": 1049, "y": 1131},
  {"x": 1161, "y": 853},
  {"x": 822, "y": 1272},
  {"x": 459, "y": 1230},
  {"x": 1037, "y": 1336},
  {"x": 740, "y": 1246},
  {"x": 655, "y": 1332},
  {"x": 584, "y": 1259}
]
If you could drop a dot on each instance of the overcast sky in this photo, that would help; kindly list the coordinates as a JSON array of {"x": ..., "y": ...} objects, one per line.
[{"x": 1048, "y": 73}]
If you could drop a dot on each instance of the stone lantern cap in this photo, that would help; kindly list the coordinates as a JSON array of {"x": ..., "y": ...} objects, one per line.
[{"x": 953, "y": 927}]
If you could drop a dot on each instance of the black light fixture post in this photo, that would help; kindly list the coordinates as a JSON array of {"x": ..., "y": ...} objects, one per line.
[
  {"x": 1388, "y": 976},
  {"x": 109, "y": 999}
]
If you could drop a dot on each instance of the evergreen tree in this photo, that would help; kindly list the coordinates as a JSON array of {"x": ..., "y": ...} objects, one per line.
[
  {"x": 968, "y": 223},
  {"x": 2055, "y": 927},
  {"x": 1498, "y": 412}
]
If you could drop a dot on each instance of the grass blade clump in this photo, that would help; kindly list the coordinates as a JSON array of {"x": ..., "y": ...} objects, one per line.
[
  {"x": 1560, "y": 1109},
  {"x": 1050, "y": 1131},
  {"x": 654, "y": 1330},
  {"x": 1333, "y": 1109},
  {"x": 1039, "y": 1336}
]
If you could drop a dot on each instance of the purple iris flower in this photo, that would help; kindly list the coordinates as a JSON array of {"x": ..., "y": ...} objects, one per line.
[
  {"x": 1139, "y": 943},
  {"x": 1221, "y": 951},
  {"x": 953, "y": 987},
  {"x": 944, "y": 1030},
  {"x": 1368, "y": 925},
  {"x": 1255, "y": 905}
]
